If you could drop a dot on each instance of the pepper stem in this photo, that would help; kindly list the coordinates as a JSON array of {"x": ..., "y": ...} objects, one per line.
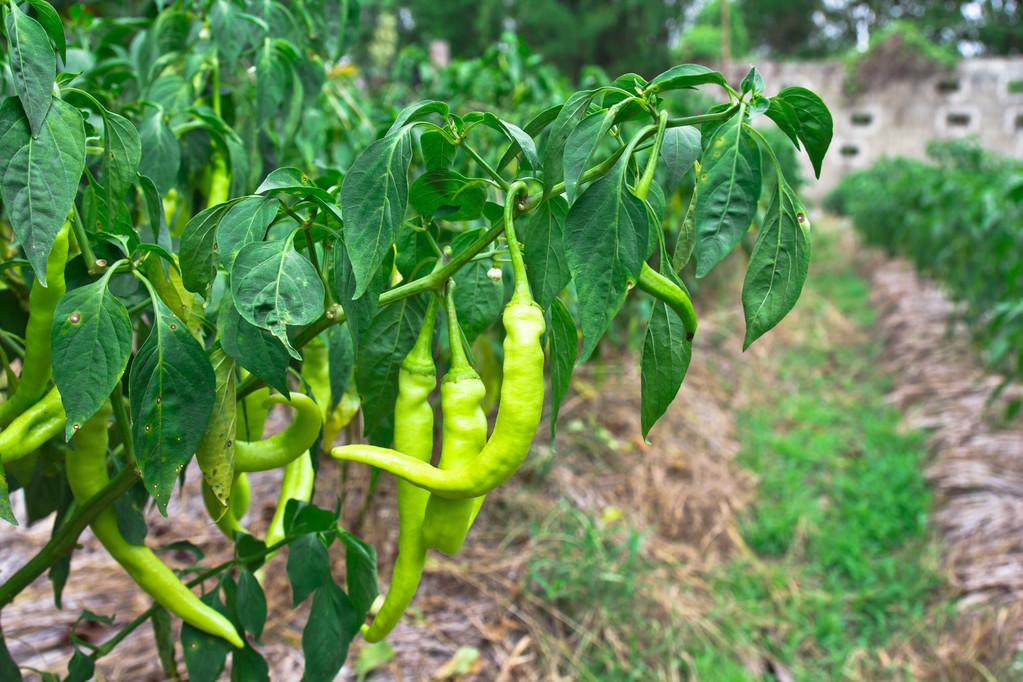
[
  {"x": 459, "y": 361},
  {"x": 518, "y": 265}
]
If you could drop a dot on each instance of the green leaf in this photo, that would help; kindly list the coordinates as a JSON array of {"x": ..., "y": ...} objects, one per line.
[
  {"x": 198, "y": 243},
  {"x": 251, "y": 604},
  {"x": 374, "y": 197},
  {"x": 579, "y": 148},
  {"x": 33, "y": 65},
  {"x": 438, "y": 153},
  {"x": 161, "y": 153},
  {"x": 255, "y": 349},
  {"x": 784, "y": 116},
  {"x": 215, "y": 453},
  {"x": 91, "y": 343},
  {"x": 172, "y": 390},
  {"x": 359, "y": 312},
  {"x": 51, "y": 22},
  {"x": 341, "y": 358},
  {"x": 815, "y": 122},
  {"x": 244, "y": 223},
  {"x": 563, "y": 340},
  {"x": 752, "y": 82},
  {"x": 778, "y": 265},
  {"x": 308, "y": 566},
  {"x": 666, "y": 356},
  {"x": 8, "y": 668},
  {"x": 229, "y": 29},
  {"x": 416, "y": 111},
  {"x": 360, "y": 573},
  {"x": 568, "y": 118},
  {"x": 122, "y": 153},
  {"x": 81, "y": 667},
  {"x": 6, "y": 513},
  {"x": 534, "y": 127},
  {"x": 679, "y": 150},
  {"x": 331, "y": 627},
  {"x": 686, "y": 242},
  {"x": 543, "y": 236},
  {"x": 204, "y": 654},
  {"x": 272, "y": 76},
  {"x": 519, "y": 138},
  {"x": 447, "y": 195},
  {"x": 478, "y": 298},
  {"x": 685, "y": 76},
  {"x": 248, "y": 665},
  {"x": 729, "y": 189},
  {"x": 41, "y": 180},
  {"x": 378, "y": 358},
  {"x": 606, "y": 236},
  {"x": 274, "y": 286},
  {"x": 164, "y": 636},
  {"x": 303, "y": 517}
]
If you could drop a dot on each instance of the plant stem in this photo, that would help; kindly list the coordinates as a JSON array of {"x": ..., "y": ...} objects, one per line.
[
  {"x": 487, "y": 168},
  {"x": 518, "y": 265},
  {"x": 83, "y": 242},
  {"x": 66, "y": 536}
]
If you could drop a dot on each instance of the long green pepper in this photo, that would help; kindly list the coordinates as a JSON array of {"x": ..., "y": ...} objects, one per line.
[
  {"x": 87, "y": 473},
  {"x": 521, "y": 400},
  {"x": 413, "y": 436},
  {"x": 465, "y": 433}
]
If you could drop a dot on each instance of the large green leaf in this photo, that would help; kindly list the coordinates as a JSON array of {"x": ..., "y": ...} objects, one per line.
[
  {"x": 215, "y": 453},
  {"x": 197, "y": 248},
  {"x": 251, "y": 604},
  {"x": 33, "y": 65},
  {"x": 478, "y": 298},
  {"x": 308, "y": 566},
  {"x": 255, "y": 349},
  {"x": 331, "y": 627},
  {"x": 161, "y": 153},
  {"x": 778, "y": 265},
  {"x": 374, "y": 197},
  {"x": 606, "y": 235},
  {"x": 50, "y": 20},
  {"x": 341, "y": 360},
  {"x": 446, "y": 195},
  {"x": 542, "y": 232},
  {"x": 685, "y": 76},
  {"x": 173, "y": 390},
  {"x": 360, "y": 573},
  {"x": 567, "y": 119},
  {"x": 230, "y": 30},
  {"x": 122, "y": 153},
  {"x": 563, "y": 340},
  {"x": 41, "y": 180},
  {"x": 91, "y": 343},
  {"x": 245, "y": 222},
  {"x": 378, "y": 358},
  {"x": 679, "y": 150},
  {"x": 666, "y": 355},
  {"x": 204, "y": 654},
  {"x": 815, "y": 122},
  {"x": 358, "y": 311},
  {"x": 274, "y": 286},
  {"x": 729, "y": 189}
]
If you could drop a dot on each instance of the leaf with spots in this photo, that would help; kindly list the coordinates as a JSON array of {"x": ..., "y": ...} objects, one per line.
[
  {"x": 215, "y": 454},
  {"x": 274, "y": 286},
  {"x": 91, "y": 343},
  {"x": 172, "y": 391}
]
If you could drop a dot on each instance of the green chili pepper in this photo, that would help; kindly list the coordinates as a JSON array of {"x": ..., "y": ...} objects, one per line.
[
  {"x": 87, "y": 474},
  {"x": 286, "y": 446},
  {"x": 521, "y": 401},
  {"x": 33, "y": 427},
  {"x": 42, "y": 302},
  {"x": 465, "y": 433},
  {"x": 413, "y": 436}
]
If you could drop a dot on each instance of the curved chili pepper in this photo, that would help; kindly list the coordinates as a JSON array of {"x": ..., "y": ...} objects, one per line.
[
  {"x": 33, "y": 427},
  {"x": 87, "y": 473},
  {"x": 413, "y": 435},
  {"x": 520, "y": 406},
  {"x": 289, "y": 444},
  {"x": 42, "y": 302},
  {"x": 465, "y": 433}
]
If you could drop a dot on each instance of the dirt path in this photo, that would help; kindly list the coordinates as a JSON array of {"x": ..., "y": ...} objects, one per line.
[{"x": 977, "y": 462}]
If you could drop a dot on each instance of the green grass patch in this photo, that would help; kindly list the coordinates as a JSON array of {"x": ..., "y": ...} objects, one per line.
[{"x": 841, "y": 559}]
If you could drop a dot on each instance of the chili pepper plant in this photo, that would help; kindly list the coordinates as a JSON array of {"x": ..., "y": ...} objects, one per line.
[{"x": 189, "y": 238}]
